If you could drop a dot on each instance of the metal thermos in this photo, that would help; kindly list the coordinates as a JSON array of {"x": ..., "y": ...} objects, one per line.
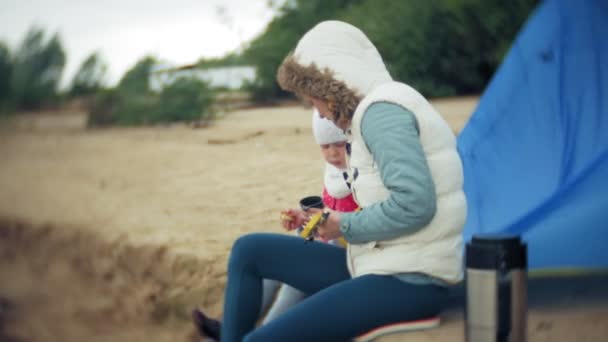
[{"x": 496, "y": 289}]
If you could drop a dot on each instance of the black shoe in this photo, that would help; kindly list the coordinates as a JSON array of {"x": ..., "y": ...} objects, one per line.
[{"x": 207, "y": 327}]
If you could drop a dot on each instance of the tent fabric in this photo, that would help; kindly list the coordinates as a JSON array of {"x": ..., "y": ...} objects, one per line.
[{"x": 535, "y": 152}]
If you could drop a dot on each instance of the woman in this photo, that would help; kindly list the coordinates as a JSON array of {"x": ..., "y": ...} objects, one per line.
[{"x": 405, "y": 244}]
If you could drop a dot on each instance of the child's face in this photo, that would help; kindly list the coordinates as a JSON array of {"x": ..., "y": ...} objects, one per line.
[{"x": 335, "y": 154}]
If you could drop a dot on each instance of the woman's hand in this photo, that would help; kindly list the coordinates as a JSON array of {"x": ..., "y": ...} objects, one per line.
[
  {"x": 293, "y": 218},
  {"x": 330, "y": 229}
]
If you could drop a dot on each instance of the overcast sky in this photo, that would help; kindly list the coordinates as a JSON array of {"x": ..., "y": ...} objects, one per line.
[{"x": 176, "y": 31}]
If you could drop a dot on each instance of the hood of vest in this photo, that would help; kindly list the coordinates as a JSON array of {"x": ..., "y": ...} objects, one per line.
[{"x": 334, "y": 62}]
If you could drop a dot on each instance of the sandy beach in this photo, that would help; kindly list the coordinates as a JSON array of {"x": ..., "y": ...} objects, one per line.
[{"x": 117, "y": 234}]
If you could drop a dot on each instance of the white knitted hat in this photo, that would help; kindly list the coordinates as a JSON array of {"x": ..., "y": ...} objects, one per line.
[{"x": 325, "y": 131}]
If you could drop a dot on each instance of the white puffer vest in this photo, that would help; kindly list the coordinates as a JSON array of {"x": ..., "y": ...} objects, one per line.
[{"x": 436, "y": 249}]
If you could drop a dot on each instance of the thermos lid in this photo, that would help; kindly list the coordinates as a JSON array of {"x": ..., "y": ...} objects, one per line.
[
  {"x": 496, "y": 252},
  {"x": 311, "y": 202}
]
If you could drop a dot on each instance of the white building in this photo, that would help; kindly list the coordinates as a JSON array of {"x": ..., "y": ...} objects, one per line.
[{"x": 231, "y": 77}]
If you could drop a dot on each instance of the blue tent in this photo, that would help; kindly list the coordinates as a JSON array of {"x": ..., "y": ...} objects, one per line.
[{"x": 535, "y": 151}]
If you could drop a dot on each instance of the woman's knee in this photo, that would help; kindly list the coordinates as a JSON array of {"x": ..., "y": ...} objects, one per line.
[
  {"x": 246, "y": 243},
  {"x": 244, "y": 249}
]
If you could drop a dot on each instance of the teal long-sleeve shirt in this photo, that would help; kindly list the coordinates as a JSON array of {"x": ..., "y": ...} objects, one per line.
[{"x": 391, "y": 134}]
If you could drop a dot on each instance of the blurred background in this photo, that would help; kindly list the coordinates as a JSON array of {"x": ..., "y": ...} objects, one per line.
[
  {"x": 138, "y": 55},
  {"x": 138, "y": 139}
]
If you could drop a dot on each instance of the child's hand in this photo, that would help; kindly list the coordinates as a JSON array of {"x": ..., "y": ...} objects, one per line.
[
  {"x": 293, "y": 218},
  {"x": 330, "y": 229}
]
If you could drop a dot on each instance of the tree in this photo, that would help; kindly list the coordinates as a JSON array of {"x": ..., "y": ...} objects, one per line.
[
  {"x": 186, "y": 99},
  {"x": 136, "y": 81},
  {"x": 132, "y": 102},
  {"x": 267, "y": 51},
  {"x": 37, "y": 70},
  {"x": 6, "y": 69},
  {"x": 90, "y": 76},
  {"x": 440, "y": 47}
]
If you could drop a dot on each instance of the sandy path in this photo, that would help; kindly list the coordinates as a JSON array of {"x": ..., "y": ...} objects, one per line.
[{"x": 133, "y": 226}]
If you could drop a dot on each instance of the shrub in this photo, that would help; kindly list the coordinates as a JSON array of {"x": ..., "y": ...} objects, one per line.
[{"x": 186, "y": 99}]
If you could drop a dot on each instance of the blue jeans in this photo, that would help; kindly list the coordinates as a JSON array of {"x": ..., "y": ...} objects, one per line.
[{"x": 338, "y": 307}]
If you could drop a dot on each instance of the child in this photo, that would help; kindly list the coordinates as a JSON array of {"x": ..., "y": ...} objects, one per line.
[
  {"x": 336, "y": 191},
  {"x": 336, "y": 196}
]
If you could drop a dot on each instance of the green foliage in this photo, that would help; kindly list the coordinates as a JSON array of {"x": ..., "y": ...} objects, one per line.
[
  {"x": 132, "y": 103},
  {"x": 37, "y": 69},
  {"x": 418, "y": 40},
  {"x": 136, "y": 110},
  {"x": 186, "y": 99},
  {"x": 136, "y": 80},
  {"x": 267, "y": 51},
  {"x": 231, "y": 59},
  {"x": 6, "y": 69},
  {"x": 440, "y": 47},
  {"x": 103, "y": 108},
  {"x": 90, "y": 76}
]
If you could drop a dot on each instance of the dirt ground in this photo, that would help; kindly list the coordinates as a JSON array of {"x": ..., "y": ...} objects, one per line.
[{"x": 117, "y": 234}]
